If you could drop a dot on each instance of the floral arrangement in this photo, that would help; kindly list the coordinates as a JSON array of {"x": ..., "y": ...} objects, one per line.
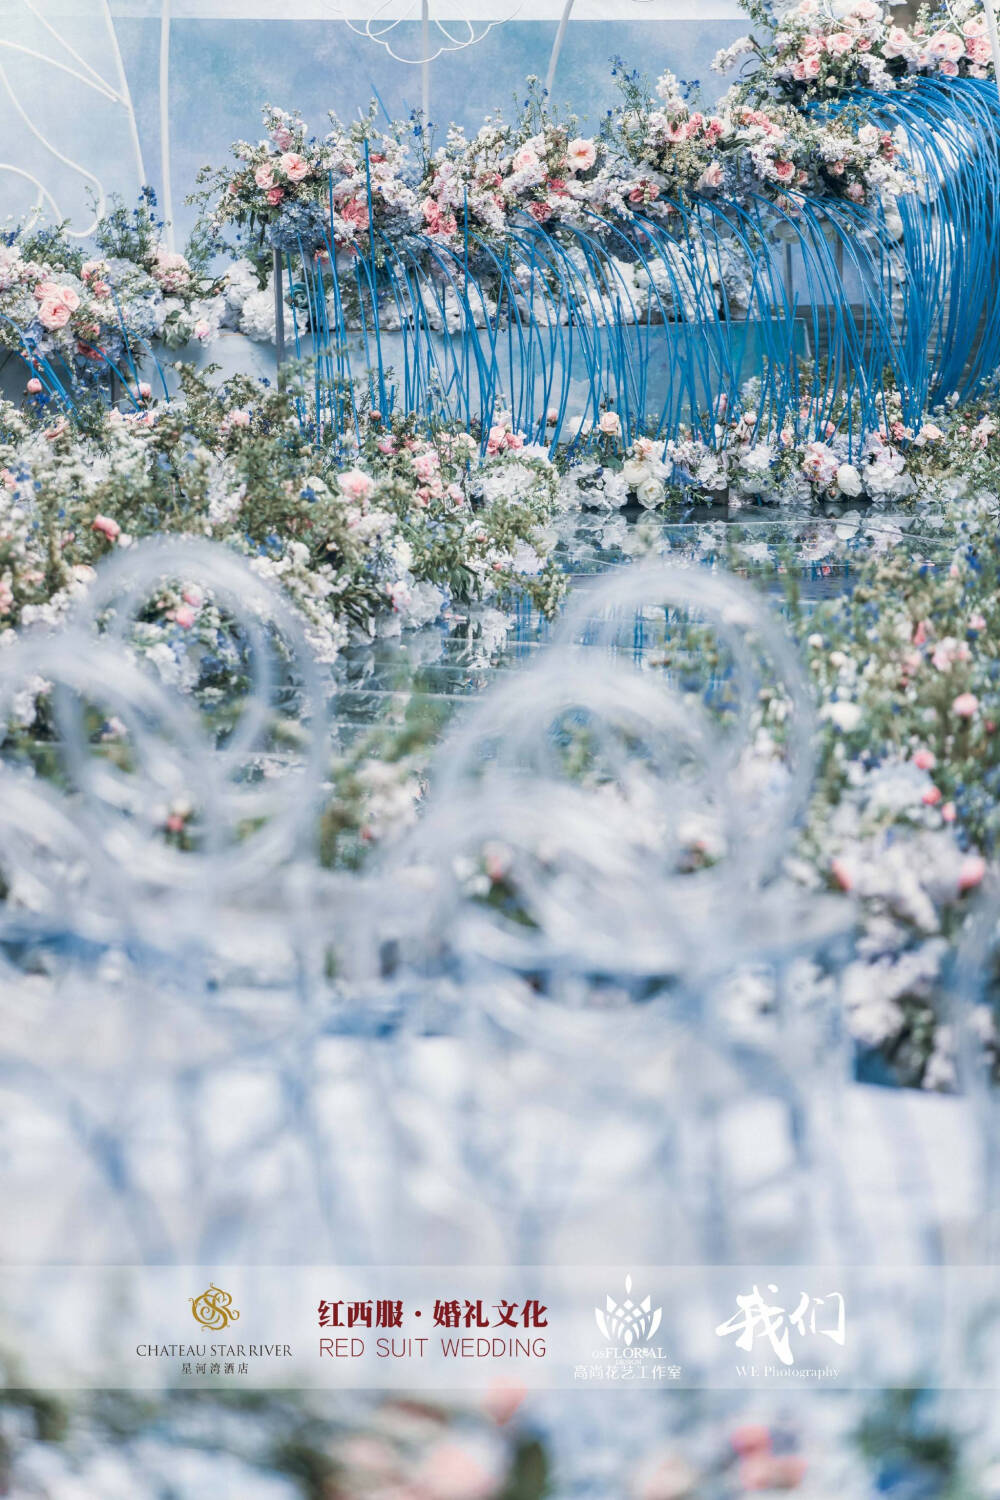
[
  {"x": 745, "y": 462},
  {"x": 750, "y": 143},
  {"x": 535, "y": 167},
  {"x": 75, "y": 315},
  {"x": 813, "y": 52},
  {"x": 764, "y": 137},
  {"x": 389, "y": 533},
  {"x": 299, "y": 194}
]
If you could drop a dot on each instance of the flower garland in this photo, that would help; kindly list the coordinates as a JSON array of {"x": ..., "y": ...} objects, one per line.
[{"x": 765, "y": 136}]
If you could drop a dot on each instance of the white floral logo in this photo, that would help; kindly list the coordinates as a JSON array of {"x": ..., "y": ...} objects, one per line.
[{"x": 629, "y": 1321}]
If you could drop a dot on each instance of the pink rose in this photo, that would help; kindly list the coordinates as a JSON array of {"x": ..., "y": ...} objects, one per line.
[
  {"x": 275, "y": 195},
  {"x": 965, "y": 705},
  {"x": 971, "y": 873},
  {"x": 106, "y": 527},
  {"x": 294, "y": 166},
  {"x": 524, "y": 159},
  {"x": 264, "y": 175},
  {"x": 239, "y": 418},
  {"x": 53, "y": 314},
  {"x": 711, "y": 177},
  {"x": 47, "y": 291},
  {"x": 752, "y": 1438},
  {"x": 925, "y": 760},
  {"x": 34, "y": 386},
  {"x": 772, "y": 1471},
  {"x": 69, "y": 298},
  {"x": 282, "y": 137},
  {"x": 897, "y": 43},
  {"x": 839, "y": 42},
  {"x": 946, "y": 45},
  {"x": 356, "y": 485},
  {"x": 610, "y": 423},
  {"x": 450, "y": 1472}
]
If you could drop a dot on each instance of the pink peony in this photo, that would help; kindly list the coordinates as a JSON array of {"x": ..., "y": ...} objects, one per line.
[{"x": 582, "y": 154}]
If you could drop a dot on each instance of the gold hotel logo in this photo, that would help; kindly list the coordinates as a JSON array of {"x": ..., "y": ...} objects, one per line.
[{"x": 214, "y": 1309}]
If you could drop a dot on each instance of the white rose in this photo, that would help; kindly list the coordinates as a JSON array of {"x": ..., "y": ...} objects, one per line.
[
  {"x": 649, "y": 493},
  {"x": 849, "y": 480},
  {"x": 634, "y": 472}
]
